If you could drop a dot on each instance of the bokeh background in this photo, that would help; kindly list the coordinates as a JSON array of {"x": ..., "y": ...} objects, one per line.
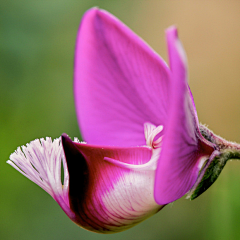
[{"x": 37, "y": 41}]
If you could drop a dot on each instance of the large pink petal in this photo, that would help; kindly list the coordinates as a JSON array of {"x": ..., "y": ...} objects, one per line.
[
  {"x": 183, "y": 145},
  {"x": 104, "y": 197},
  {"x": 119, "y": 82}
]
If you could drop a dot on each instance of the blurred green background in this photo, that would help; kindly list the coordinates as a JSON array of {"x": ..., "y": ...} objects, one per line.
[{"x": 37, "y": 41}]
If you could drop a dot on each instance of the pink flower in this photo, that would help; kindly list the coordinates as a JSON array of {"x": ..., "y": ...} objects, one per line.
[{"x": 144, "y": 147}]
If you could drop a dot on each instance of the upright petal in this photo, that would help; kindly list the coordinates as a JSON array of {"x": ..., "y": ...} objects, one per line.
[
  {"x": 183, "y": 146},
  {"x": 119, "y": 82}
]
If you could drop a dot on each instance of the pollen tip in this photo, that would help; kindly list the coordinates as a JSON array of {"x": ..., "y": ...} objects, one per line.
[
  {"x": 67, "y": 143},
  {"x": 65, "y": 137},
  {"x": 68, "y": 146}
]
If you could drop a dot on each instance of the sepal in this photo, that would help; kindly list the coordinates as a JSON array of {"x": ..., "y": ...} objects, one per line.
[{"x": 211, "y": 171}]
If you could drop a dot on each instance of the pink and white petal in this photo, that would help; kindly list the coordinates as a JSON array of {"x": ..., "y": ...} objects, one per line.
[
  {"x": 108, "y": 198},
  {"x": 183, "y": 146},
  {"x": 119, "y": 82}
]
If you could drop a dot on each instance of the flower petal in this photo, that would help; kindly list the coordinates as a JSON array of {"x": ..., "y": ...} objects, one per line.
[
  {"x": 183, "y": 145},
  {"x": 119, "y": 82},
  {"x": 104, "y": 197}
]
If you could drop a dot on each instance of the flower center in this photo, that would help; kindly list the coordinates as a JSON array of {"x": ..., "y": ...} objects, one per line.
[{"x": 153, "y": 135}]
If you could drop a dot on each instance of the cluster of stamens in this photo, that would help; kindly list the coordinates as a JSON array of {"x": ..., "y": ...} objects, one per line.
[{"x": 152, "y": 133}]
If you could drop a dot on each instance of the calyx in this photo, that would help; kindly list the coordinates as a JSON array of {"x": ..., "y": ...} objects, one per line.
[{"x": 224, "y": 151}]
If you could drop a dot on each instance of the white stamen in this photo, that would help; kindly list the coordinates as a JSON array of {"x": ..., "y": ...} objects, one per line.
[
  {"x": 151, "y": 131},
  {"x": 41, "y": 161}
]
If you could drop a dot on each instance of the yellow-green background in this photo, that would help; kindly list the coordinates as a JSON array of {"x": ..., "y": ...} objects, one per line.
[{"x": 37, "y": 39}]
